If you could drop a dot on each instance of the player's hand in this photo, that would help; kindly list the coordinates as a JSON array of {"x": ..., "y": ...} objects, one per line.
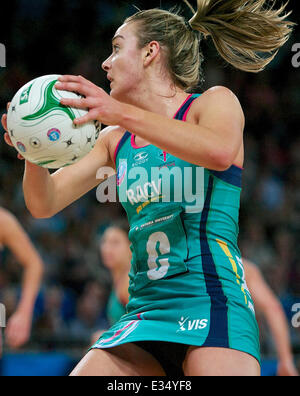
[
  {"x": 18, "y": 329},
  {"x": 287, "y": 369},
  {"x": 6, "y": 135},
  {"x": 100, "y": 105},
  {"x": 4, "y": 124}
]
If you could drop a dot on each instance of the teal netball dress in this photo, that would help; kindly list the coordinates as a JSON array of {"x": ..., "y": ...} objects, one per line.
[{"x": 187, "y": 281}]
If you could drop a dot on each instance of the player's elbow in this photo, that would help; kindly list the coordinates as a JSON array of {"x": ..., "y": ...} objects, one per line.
[
  {"x": 38, "y": 207},
  {"x": 40, "y": 213},
  {"x": 37, "y": 265},
  {"x": 39, "y": 216},
  {"x": 221, "y": 161},
  {"x": 40, "y": 268}
]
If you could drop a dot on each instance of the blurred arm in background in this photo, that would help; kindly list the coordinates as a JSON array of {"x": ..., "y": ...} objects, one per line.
[
  {"x": 14, "y": 238},
  {"x": 266, "y": 301}
]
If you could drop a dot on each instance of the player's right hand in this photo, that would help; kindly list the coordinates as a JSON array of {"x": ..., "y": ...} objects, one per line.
[{"x": 6, "y": 135}]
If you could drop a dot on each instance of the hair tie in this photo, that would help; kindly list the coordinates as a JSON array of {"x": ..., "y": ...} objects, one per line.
[{"x": 189, "y": 26}]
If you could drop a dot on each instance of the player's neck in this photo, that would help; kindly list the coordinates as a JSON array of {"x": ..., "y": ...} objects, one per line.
[
  {"x": 164, "y": 105},
  {"x": 158, "y": 97}
]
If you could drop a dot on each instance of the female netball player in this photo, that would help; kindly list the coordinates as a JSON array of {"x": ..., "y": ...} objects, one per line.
[
  {"x": 189, "y": 310},
  {"x": 116, "y": 256},
  {"x": 14, "y": 238}
]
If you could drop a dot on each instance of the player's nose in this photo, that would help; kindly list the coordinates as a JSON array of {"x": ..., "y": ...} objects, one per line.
[{"x": 106, "y": 65}]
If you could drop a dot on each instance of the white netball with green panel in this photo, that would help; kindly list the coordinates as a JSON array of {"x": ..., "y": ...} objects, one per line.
[{"x": 42, "y": 130}]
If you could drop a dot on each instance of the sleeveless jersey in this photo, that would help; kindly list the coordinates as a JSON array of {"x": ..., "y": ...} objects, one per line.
[
  {"x": 178, "y": 212},
  {"x": 187, "y": 282}
]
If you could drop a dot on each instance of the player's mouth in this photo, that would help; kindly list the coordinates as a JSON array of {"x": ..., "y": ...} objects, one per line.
[{"x": 111, "y": 81}]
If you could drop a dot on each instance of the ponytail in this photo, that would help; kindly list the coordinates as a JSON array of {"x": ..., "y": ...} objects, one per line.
[{"x": 247, "y": 34}]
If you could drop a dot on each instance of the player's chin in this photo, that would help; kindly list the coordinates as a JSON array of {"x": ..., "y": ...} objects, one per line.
[{"x": 114, "y": 93}]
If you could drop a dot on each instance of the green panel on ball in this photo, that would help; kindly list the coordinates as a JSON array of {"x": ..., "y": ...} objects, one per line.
[{"x": 51, "y": 103}]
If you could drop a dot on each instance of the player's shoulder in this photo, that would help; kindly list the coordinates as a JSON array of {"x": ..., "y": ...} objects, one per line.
[
  {"x": 112, "y": 131},
  {"x": 217, "y": 97},
  {"x": 111, "y": 136},
  {"x": 217, "y": 93}
]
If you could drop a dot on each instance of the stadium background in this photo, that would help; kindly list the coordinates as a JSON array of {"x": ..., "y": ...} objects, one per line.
[{"x": 73, "y": 37}]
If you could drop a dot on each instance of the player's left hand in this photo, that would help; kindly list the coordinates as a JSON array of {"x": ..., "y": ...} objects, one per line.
[
  {"x": 287, "y": 369},
  {"x": 100, "y": 105},
  {"x": 18, "y": 329}
]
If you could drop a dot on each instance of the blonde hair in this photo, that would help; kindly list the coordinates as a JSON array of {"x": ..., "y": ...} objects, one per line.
[{"x": 247, "y": 34}]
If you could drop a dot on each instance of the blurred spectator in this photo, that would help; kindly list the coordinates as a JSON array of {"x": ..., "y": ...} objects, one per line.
[{"x": 90, "y": 314}]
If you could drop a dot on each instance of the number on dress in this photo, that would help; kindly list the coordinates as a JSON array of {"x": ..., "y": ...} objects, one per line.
[{"x": 154, "y": 272}]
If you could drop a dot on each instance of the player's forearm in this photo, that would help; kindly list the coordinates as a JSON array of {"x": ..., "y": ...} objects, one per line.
[
  {"x": 31, "y": 284},
  {"x": 192, "y": 143},
  {"x": 38, "y": 190},
  {"x": 279, "y": 328}
]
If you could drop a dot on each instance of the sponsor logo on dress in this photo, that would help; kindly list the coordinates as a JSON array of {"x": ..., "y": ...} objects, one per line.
[
  {"x": 121, "y": 173},
  {"x": 141, "y": 158},
  {"x": 141, "y": 187},
  {"x": 187, "y": 324}
]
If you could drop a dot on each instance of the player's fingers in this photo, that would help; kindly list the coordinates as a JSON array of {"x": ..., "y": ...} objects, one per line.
[
  {"x": 71, "y": 78},
  {"x": 4, "y": 121},
  {"x": 73, "y": 87},
  {"x": 76, "y": 103},
  {"x": 90, "y": 116},
  {"x": 9, "y": 335},
  {"x": 7, "y": 106},
  {"x": 7, "y": 139},
  {"x": 16, "y": 340},
  {"x": 12, "y": 342}
]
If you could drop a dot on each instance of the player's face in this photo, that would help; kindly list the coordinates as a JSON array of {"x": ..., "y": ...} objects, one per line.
[
  {"x": 115, "y": 248},
  {"x": 125, "y": 65}
]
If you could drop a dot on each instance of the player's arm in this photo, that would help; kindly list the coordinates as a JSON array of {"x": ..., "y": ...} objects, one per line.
[
  {"x": 266, "y": 301},
  {"x": 213, "y": 141},
  {"x": 123, "y": 292},
  {"x": 46, "y": 194},
  {"x": 15, "y": 238}
]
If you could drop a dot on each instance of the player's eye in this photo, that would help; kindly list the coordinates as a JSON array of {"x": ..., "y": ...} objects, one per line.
[{"x": 116, "y": 48}]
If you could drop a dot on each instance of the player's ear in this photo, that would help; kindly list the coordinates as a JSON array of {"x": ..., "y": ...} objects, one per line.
[{"x": 150, "y": 52}]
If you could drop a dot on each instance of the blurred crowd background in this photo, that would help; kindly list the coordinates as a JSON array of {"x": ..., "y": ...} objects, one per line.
[{"x": 73, "y": 37}]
